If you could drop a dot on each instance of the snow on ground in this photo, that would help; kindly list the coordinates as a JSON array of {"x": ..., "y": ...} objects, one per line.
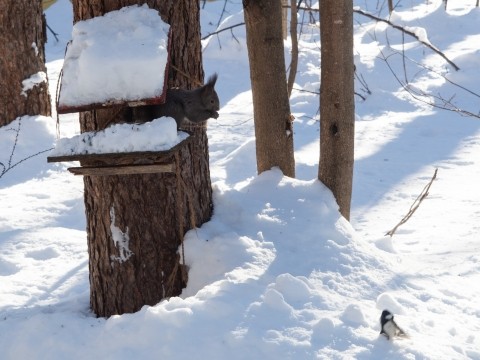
[{"x": 277, "y": 273}]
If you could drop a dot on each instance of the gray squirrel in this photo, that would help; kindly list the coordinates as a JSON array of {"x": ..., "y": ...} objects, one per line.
[{"x": 193, "y": 105}]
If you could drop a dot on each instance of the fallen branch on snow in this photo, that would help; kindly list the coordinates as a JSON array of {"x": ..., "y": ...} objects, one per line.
[{"x": 415, "y": 205}]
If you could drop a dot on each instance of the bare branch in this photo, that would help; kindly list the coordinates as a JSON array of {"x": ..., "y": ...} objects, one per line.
[
  {"x": 408, "y": 32},
  {"x": 415, "y": 205},
  {"x": 398, "y": 27},
  {"x": 222, "y": 30},
  {"x": 9, "y": 166},
  {"x": 421, "y": 96},
  {"x": 318, "y": 93},
  {"x": 221, "y": 15},
  {"x": 53, "y": 32}
]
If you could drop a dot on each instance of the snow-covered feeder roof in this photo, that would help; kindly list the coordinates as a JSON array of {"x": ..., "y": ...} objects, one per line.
[{"x": 117, "y": 58}]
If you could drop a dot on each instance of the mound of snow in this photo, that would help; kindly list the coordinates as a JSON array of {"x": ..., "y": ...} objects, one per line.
[{"x": 157, "y": 135}]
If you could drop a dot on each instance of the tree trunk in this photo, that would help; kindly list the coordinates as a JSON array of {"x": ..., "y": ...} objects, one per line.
[
  {"x": 271, "y": 108},
  {"x": 390, "y": 6},
  {"x": 337, "y": 108},
  {"x": 22, "y": 49},
  {"x": 293, "y": 34},
  {"x": 136, "y": 223}
]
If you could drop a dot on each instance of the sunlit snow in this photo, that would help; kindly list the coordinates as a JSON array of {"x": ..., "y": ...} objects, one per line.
[{"x": 276, "y": 273}]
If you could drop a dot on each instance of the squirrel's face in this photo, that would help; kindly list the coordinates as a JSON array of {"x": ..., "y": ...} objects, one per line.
[
  {"x": 210, "y": 97},
  {"x": 213, "y": 103}
]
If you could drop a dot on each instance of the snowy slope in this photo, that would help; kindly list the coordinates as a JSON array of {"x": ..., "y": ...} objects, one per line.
[{"x": 277, "y": 273}]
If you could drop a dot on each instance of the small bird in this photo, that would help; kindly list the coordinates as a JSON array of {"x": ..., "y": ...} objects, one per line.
[{"x": 389, "y": 327}]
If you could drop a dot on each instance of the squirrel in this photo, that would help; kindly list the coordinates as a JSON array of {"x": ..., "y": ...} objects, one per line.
[{"x": 193, "y": 105}]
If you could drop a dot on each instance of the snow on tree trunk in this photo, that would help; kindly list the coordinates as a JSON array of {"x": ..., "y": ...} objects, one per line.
[
  {"x": 23, "y": 75},
  {"x": 135, "y": 223}
]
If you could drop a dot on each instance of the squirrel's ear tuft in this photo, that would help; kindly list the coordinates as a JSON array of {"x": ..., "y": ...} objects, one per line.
[{"x": 212, "y": 80}]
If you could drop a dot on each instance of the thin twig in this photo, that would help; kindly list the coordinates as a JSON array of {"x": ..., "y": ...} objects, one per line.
[
  {"x": 196, "y": 82},
  {"x": 415, "y": 205},
  {"x": 307, "y": 91},
  {"x": 53, "y": 32},
  {"x": 10, "y": 165},
  {"x": 363, "y": 82},
  {"x": 318, "y": 93},
  {"x": 221, "y": 15},
  {"x": 419, "y": 96},
  {"x": 222, "y": 30}
]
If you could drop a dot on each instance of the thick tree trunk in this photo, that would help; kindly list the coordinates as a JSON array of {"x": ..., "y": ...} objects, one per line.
[
  {"x": 149, "y": 213},
  {"x": 337, "y": 108},
  {"x": 22, "y": 49},
  {"x": 271, "y": 108}
]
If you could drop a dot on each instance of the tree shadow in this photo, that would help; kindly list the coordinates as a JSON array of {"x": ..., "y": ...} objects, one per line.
[{"x": 422, "y": 142}]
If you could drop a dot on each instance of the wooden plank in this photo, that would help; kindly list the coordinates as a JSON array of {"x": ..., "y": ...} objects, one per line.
[
  {"x": 107, "y": 156},
  {"x": 66, "y": 109},
  {"x": 123, "y": 170},
  {"x": 130, "y": 156}
]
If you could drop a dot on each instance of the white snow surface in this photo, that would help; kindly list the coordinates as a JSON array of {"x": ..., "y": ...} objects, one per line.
[
  {"x": 156, "y": 135},
  {"x": 277, "y": 273},
  {"x": 32, "y": 81},
  {"x": 120, "y": 239},
  {"x": 119, "y": 56}
]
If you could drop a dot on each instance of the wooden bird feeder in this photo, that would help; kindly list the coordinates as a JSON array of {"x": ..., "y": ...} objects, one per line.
[
  {"x": 137, "y": 162},
  {"x": 114, "y": 60}
]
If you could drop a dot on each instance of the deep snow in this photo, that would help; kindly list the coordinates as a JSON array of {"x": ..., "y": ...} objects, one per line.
[{"x": 277, "y": 273}]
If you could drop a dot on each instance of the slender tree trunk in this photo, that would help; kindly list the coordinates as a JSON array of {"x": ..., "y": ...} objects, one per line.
[
  {"x": 337, "y": 108},
  {"x": 271, "y": 109},
  {"x": 293, "y": 34},
  {"x": 390, "y": 6},
  {"x": 149, "y": 212},
  {"x": 22, "y": 49},
  {"x": 285, "y": 19}
]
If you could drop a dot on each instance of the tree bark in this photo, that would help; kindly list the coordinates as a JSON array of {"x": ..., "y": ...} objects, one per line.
[
  {"x": 285, "y": 19},
  {"x": 22, "y": 49},
  {"x": 271, "y": 108},
  {"x": 150, "y": 212},
  {"x": 337, "y": 108}
]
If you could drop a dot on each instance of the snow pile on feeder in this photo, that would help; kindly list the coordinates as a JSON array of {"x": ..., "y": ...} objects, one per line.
[
  {"x": 116, "y": 58},
  {"x": 157, "y": 135}
]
